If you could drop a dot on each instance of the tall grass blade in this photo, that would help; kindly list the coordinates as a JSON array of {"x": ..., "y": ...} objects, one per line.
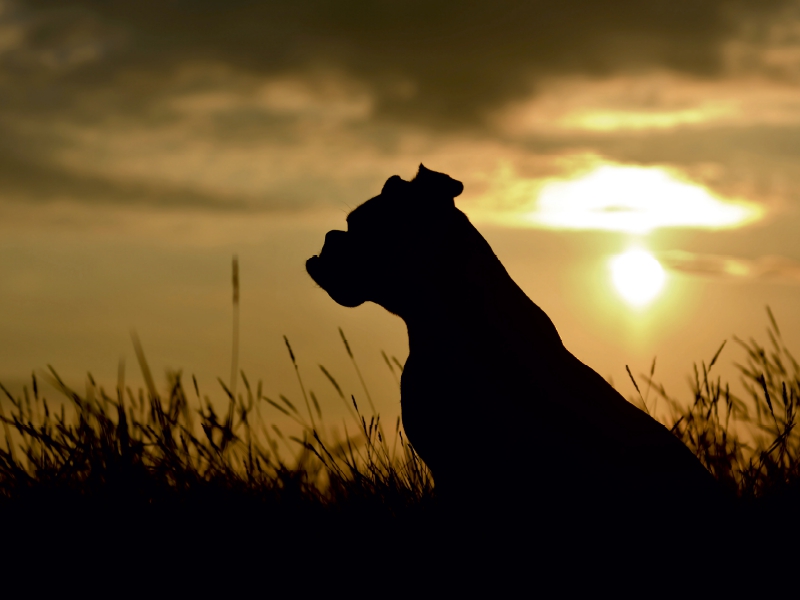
[
  {"x": 148, "y": 377},
  {"x": 235, "y": 325}
]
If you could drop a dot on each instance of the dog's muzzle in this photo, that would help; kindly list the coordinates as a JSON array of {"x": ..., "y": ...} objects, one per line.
[{"x": 333, "y": 270}]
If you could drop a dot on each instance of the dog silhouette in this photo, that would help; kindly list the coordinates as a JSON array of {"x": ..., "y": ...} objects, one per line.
[{"x": 491, "y": 399}]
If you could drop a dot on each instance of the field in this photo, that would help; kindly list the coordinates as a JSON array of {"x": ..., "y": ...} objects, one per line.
[{"x": 164, "y": 464}]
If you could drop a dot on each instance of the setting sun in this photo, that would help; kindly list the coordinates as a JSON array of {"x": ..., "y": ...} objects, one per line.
[
  {"x": 637, "y": 276},
  {"x": 636, "y": 200}
]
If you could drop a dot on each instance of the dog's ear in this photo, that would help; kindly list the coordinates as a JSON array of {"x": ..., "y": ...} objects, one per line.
[
  {"x": 437, "y": 184},
  {"x": 394, "y": 186}
]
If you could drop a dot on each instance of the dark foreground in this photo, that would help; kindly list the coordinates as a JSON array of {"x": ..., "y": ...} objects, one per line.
[{"x": 139, "y": 489}]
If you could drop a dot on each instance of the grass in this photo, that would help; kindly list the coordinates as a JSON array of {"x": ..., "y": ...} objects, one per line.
[
  {"x": 165, "y": 445},
  {"x": 748, "y": 443},
  {"x": 170, "y": 442},
  {"x": 156, "y": 459}
]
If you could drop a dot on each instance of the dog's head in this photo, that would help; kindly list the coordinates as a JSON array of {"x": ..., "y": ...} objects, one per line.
[{"x": 392, "y": 242}]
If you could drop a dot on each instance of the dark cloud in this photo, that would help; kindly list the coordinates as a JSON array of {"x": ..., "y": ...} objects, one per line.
[
  {"x": 78, "y": 79},
  {"x": 436, "y": 62},
  {"x": 32, "y": 181}
]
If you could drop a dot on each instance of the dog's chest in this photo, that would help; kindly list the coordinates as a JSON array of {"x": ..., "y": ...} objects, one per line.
[
  {"x": 428, "y": 408},
  {"x": 439, "y": 399}
]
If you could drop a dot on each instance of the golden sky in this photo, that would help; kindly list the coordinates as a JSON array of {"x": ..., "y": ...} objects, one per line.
[{"x": 633, "y": 163}]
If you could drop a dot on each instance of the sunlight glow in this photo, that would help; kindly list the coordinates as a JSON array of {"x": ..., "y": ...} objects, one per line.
[
  {"x": 637, "y": 275},
  {"x": 613, "y": 120},
  {"x": 636, "y": 200}
]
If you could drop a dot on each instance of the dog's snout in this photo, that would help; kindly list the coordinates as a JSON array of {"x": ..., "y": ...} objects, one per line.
[
  {"x": 334, "y": 241},
  {"x": 334, "y": 234}
]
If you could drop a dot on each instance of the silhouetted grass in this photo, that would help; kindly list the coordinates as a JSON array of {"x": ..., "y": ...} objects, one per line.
[
  {"x": 105, "y": 455},
  {"x": 158, "y": 446},
  {"x": 748, "y": 443},
  {"x": 167, "y": 443}
]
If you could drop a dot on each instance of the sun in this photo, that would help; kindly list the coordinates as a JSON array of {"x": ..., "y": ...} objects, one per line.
[{"x": 637, "y": 276}]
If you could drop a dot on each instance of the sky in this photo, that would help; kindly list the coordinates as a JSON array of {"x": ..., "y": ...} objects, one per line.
[{"x": 634, "y": 164}]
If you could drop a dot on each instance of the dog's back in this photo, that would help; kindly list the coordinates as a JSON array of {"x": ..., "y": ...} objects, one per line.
[{"x": 494, "y": 401}]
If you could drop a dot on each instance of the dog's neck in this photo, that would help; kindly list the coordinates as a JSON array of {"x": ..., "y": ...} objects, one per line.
[{"x": 468, "y": 294}]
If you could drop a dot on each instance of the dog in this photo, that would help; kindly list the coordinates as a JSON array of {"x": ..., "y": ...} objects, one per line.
[{"x": 492, "y": 401}]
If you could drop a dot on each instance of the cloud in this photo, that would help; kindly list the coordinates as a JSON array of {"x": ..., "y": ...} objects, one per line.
[
  {"x": 777, "y": 269},
  {"x": 424, "y": 61},
  {"x": 278, "y": 105},
  {"x": 654, "y": 101},
  {"x": 613, "y": 197},
  {"x": 33, "y": 182}
]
